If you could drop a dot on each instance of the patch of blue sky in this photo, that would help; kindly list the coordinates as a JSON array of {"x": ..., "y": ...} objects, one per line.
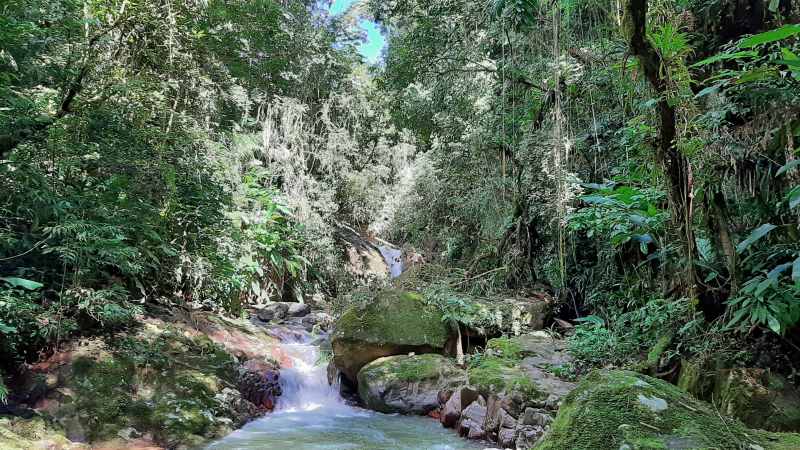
[{"x": 373, "y": 47}]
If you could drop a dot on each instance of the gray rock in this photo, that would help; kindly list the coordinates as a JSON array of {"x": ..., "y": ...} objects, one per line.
[
  {"x": 320, "y": 319},
  {"x": 532, "y": 416},
  {"x": 408, "y": 384},
  {"x": 273, "y": 311},
  {"x": 528, "y": 435},
  {"x": 506, "y": 438},
  {"x": 472, "y": 420},
  {"x": 451, "y": 411},
  {"x": 298, "y": 310},
  {"x": 497, "y": 416}
]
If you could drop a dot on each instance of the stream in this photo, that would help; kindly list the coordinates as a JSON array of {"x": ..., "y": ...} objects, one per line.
[{"x": 310, "y": 415}]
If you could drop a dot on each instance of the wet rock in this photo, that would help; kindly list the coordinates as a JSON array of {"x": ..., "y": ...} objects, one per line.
[
  {"x": 273, "y": 311},
  {"x": 319, "y": 320},
  {"x": 298, "y": 310},
  {"x": 408, "y": 384},
  {"x": 259, "y": 387},
  {"x": 451, "y": 411},
  {"x": 506, "y": 438},
  {"x": 472, "y": 420},
  {"x": 393, "y": 323}
]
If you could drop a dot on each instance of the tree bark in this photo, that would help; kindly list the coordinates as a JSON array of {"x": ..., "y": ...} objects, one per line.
[{"x": 675, "y": 165}]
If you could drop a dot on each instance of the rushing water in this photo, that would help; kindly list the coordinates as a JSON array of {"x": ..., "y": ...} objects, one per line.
[{"x": 311, "y": 416}]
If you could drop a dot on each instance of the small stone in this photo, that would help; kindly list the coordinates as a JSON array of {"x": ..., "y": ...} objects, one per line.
[
  {"x": 298, "y": 309},
  {"x": 129, "y": 433},
  {"x": 506, "y": 437},
  {"x": 533, "y": 417}
]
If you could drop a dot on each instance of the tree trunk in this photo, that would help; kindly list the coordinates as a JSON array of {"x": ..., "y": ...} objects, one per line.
[
  {"x": 720, "y": 228},
  {"x": 675, "y": 165}
]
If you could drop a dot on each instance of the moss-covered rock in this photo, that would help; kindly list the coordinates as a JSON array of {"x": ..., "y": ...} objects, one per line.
[
  {"x": 758, "y": 398},
  {"x": 408, "y": 384},
  {"x": 393, "y": 323},
  {"x": 172, "y": 383},
  {"x": 628, "y": 410},
  {"x": 18, "y": 434}
]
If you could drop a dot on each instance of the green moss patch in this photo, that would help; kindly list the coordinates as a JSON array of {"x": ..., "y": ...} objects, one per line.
[
  {"x": 409, "y": 368},
  {"x": 165, "y": 385},
  {"x": 621, "y": 409},
  {"x": 394, "y": 317}
]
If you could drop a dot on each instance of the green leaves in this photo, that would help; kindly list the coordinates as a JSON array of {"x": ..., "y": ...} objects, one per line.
[
  {"x": 766, "y": 37},
  {"x": 725, "y": 57},
  {"x": 757, "y": 234},
  {"x": 788, "y": 166},
  {"x": 22, "y": 283}
]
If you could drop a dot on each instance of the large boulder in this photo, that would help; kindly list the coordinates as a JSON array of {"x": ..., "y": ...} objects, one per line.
[
  {"x": 758, "y": 398},
  {"x": 627, "y": 410},
  {"x": 393, "y": 323},
  {"x": 408, "y": 384}
]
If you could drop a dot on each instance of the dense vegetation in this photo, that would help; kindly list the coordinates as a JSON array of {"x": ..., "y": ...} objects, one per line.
[{"x": 638, "y": 159}]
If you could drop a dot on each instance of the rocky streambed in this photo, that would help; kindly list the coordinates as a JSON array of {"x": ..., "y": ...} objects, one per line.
[{"x": 391, "y": 382}]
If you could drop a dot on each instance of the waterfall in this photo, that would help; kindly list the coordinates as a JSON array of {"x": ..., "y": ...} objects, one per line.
[{"x": 305, "y": 384}]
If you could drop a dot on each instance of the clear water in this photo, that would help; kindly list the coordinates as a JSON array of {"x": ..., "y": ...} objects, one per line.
[{"x": 311, "y": 416}]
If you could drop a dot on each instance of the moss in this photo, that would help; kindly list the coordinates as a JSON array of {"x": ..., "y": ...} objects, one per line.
[
  {"x": 493, "y": 374},
  {"x": 409, "y": 368},
  {"x": 21, "y": 434},
  {"x": 505, "y": 348},
  {"x": 620, "y": 409},
  {"x": 164, "y": 385},
  {"x": 104, "y": 392},
  {"x": 394, "y": 317},
  {"x": 694, "y": 378}
]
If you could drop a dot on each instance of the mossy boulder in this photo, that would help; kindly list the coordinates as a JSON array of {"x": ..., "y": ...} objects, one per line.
[
  {"x": 394, "y": 322},
  {"x": 628, "y": 410},
  {"x": 758, "y": 398},
  {"x": 407, "y": 384}
]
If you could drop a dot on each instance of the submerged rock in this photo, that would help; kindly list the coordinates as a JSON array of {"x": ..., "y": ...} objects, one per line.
[
  {"x": 393, "y": 323},
  {"x": 606, "y": 411},
  {"x": 408, "y": 384}
]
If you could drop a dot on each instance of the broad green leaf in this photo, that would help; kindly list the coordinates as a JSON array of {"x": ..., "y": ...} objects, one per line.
[
  {"x": 5, "y": 329},
  {"x": 770, "y": 36},
  {"x": 777, "y": 271},
  {"x": 773, "y": 323},
  {"x": 725, "y": 57},
  {"x": 757, "y": 234},
  {"x": 598, "y": 200},
  {"x": 757, "y": 74},
  {"x": 23, "y": 283},
  {"x": 793, "y": 197},
  {"x": 773, "y": 5},
  {"x": 763, "y": 286},
  {"x": 788, "y": 166}
]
